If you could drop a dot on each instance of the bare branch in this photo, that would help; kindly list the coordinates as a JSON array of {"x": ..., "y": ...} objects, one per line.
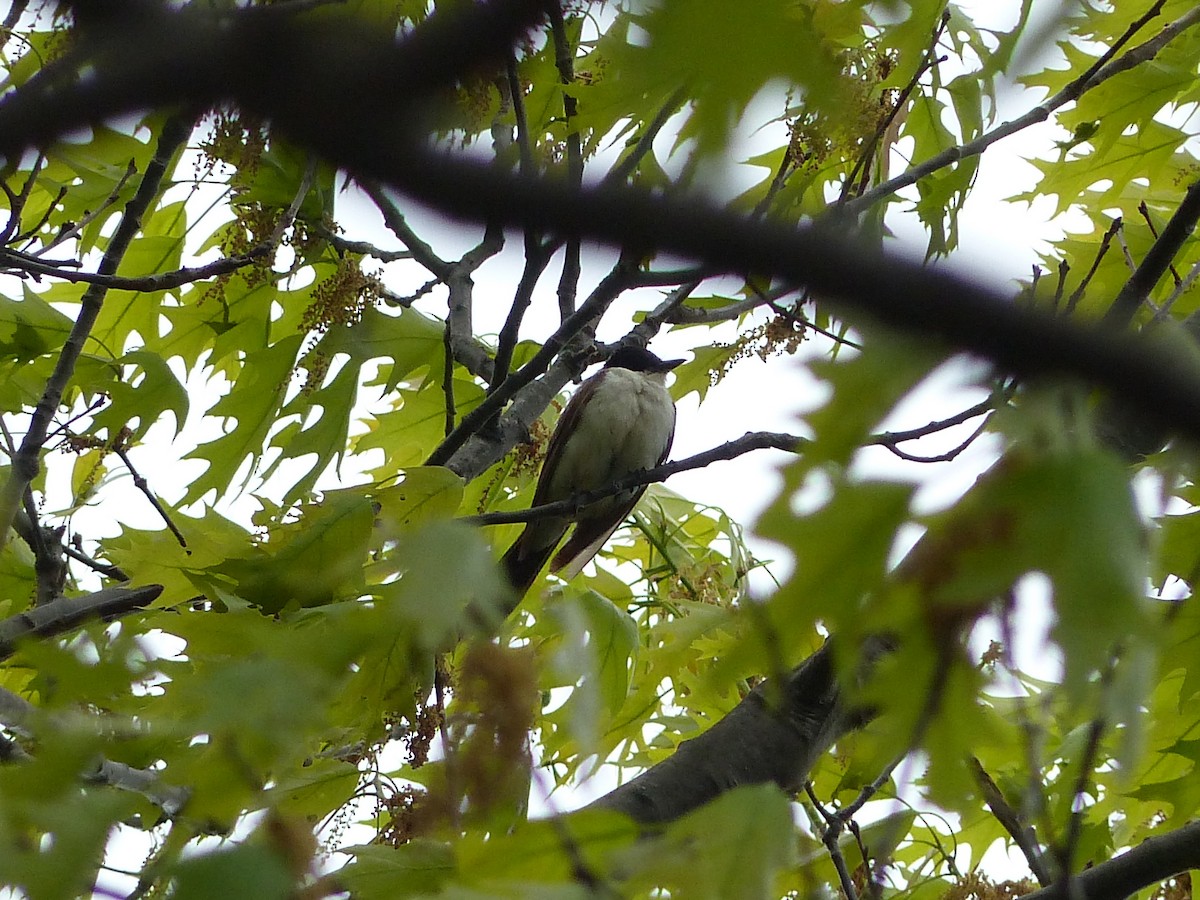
[
  {"x": 421, "y": 251},
  {"x": 1156, "y": 262},
  {"x": 1151, "y": 861},
  {"x": 10, "y": 21},
  {"x": 68, "y": 613},
  {"x": 564, "y": 58},
  {"x": 163, "y": 281},
  {"x": 116, "y": 573},
  {"x": 167, "y": 797},
  {"x": 142, "y": 485},
  {"x": 609, "y": 288},
  {"x": 1078, "y": 293},
  {"x": 111, "y": 200},
  {"x": 830, "y": 839},
  {"x": 754, "y": 440},
  {"x": 775, "y": 735},
  {"x": 16, "y": 202},
  {"x": 688, "y": 315},
  {"x": 628, "y": 165},
  {"x": 16, "y": 713},
  {"x": 894, "y": 291},
  {"x": 362, "y": 248},
  {"x": 947, "y": 456},
  {"x": 537, "y": 256},
  {"x": 1019, "y": 830}
]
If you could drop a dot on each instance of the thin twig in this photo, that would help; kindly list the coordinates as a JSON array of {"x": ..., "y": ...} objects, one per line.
[
  {"x": 1183, "y": 288},
  {"x": 289, "y": 215},
  {"x": 362, "y": 248},
  {"x": 629, "y": 163},
  {"x": 114, "y": 195},
  {"x": 948, "y": 456},
  {"x": 162, "y": 281},
  {"x": 17, "y": 201},
  {"x": 928, "y": 61},
  {"x": 829, "y": 837},
  {"x": 116, "y": 573},
  {"x": 1077, "y": 294},
  {"x": 1145, "y": 211},
  {"x": 1020, "y": 831},
  {"x": 10, "y": 21},
  {"x": 398, "y": 225},
  {"x": 812, "y": 326},
  {"x": 1066, "y": 851},
  {"x": 142, "y": 485},
  {"x": 891, "y": 438},
  {"x": 758, "y": 440},
  {"x": 537, "y": 257}
]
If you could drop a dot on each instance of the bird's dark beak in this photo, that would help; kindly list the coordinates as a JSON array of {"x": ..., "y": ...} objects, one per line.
[{"x": 666, "y": 365}]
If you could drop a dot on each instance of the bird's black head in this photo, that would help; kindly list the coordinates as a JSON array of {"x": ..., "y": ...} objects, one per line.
[{"x": 639, "y": 359}]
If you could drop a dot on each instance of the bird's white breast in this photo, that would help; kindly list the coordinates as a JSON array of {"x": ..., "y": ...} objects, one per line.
[{"x": 625, "y": 426}]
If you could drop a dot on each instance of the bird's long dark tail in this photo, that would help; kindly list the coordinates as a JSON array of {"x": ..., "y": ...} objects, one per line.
[{"x": 522, "y": 564}]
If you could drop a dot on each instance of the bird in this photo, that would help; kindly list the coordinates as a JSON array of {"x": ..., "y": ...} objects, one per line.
[{"x": 621, "y": 420}]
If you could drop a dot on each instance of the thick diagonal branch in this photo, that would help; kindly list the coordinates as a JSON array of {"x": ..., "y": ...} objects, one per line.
[
  {"x": 775, "y": 735},
  {"x": 68, "y": 613}
]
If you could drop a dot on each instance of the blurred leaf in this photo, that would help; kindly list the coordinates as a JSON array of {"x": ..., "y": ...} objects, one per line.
[
  {"x": 245, "y": 871},
  {"x": 308, "y": 563}
]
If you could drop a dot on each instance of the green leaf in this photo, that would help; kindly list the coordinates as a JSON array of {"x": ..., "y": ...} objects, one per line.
[
  {"x": 543, "y": 851},
  {"x": 140, "y": 394},
  {"x": 30, "y": 327},
  {"x": 245, "y": 871},
  {"x": 733, "y": 847},
  {"x": 445, "y": 568},
  {"x": 310, "y": 563},
  {"x": 421, "y": 494},
  {"x": 419, "y": 867},
  {"x": 703, "y": 371},
  {"x": 1068, "y": 515},
  {"x": 252, "y": 404}
]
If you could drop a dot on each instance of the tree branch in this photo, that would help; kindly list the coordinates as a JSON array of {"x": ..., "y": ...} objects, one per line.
[
  {"x": 776, "y": 734},
  {"x": 68, "y": 613},
  {"x": 1151, "y": 861},
  {"x": 564, "y": 59},
  {"x": 1018, "y": 829},
  {"x": 896, "y": 292},
  {"x": 16, "y": 713},
  {"x": 609, "y": 288},
  {"x": 1156, "y": 262},
  {"x": 754, "y": 440}
]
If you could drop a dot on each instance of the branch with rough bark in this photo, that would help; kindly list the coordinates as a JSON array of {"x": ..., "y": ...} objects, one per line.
[
  {"x": 68, "y": 613},
  {"x": 775, "y": 735}
]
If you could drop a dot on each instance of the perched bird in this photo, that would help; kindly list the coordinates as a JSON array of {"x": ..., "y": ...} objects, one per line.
[{"x": 620, "y": 421}]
